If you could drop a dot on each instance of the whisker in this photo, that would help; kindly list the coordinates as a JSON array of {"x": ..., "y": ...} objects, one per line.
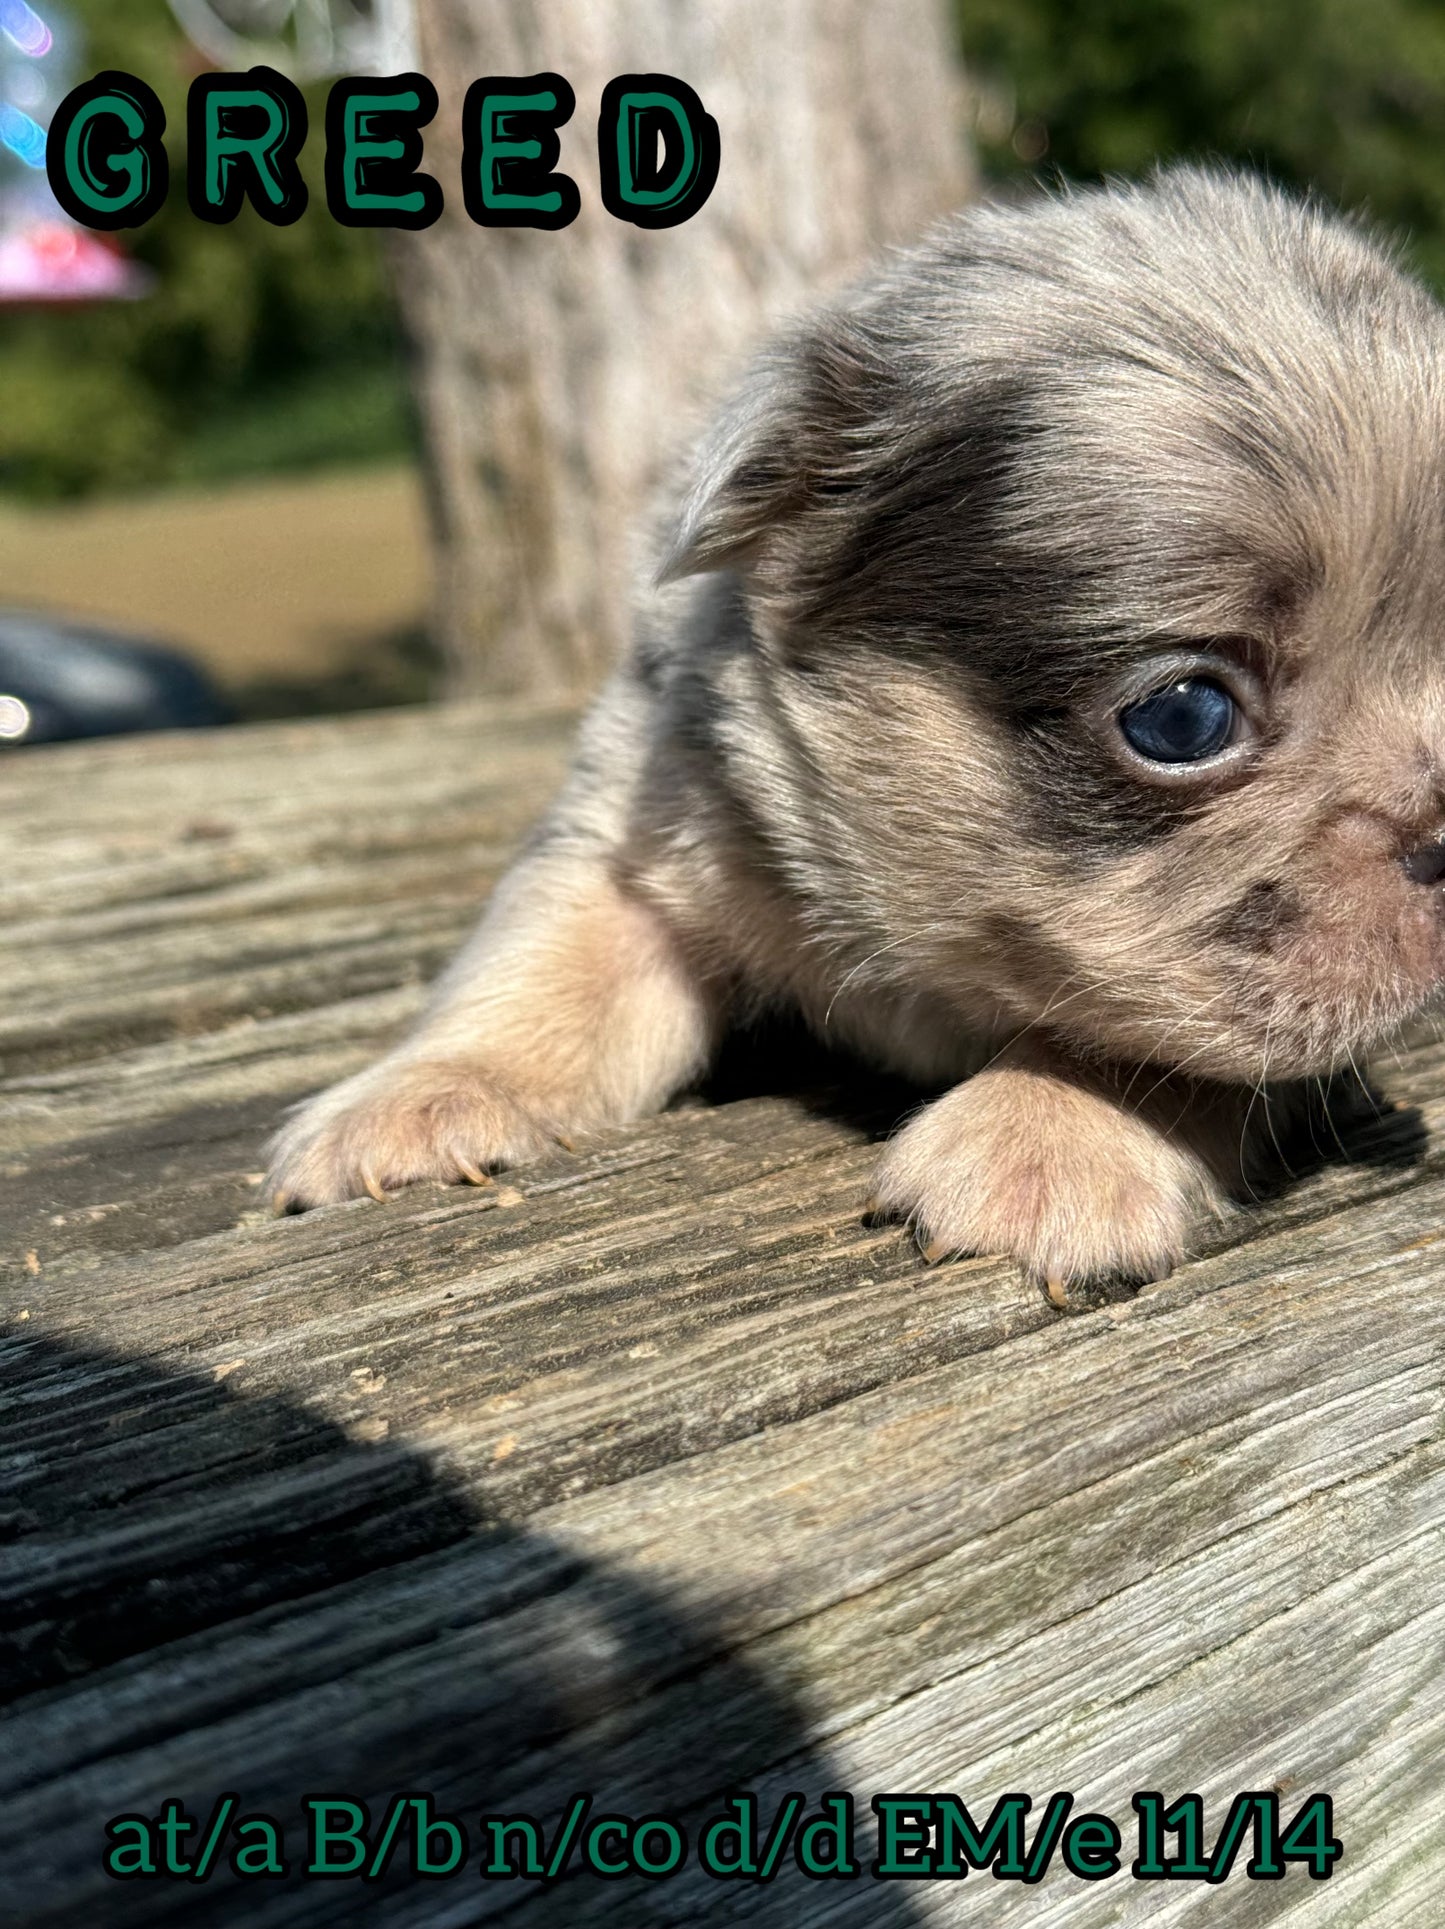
[{"x": 908, "y": 937}]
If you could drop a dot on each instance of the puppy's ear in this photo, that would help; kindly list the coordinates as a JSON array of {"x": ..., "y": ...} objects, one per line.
[{"x": 787, "y": 440}]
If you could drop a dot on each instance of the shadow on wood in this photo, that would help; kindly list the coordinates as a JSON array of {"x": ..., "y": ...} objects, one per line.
[{"x": 395, "y": 1640}]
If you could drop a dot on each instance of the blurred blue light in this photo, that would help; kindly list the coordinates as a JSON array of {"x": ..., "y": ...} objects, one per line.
[
  {"x": 23, "y": 136},
  {"x": 22, "y": 25}
]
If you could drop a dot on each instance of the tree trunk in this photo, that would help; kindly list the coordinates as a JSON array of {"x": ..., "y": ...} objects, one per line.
[{"x": 558, "y": 371}]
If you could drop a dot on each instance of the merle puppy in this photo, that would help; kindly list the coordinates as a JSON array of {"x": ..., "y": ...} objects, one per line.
[{"x": 1049, "y": 700}]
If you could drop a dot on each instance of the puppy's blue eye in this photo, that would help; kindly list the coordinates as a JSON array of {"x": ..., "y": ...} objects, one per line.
[{"x": 1187, "y": 722}]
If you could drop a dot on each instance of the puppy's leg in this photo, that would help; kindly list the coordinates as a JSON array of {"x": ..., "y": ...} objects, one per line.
[
  {"x": 571, "y": 1007},
  {"x": 1035, "y": 1159}
]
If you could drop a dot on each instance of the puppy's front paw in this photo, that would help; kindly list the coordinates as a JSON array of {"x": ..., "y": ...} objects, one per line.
[
  {"x": 1021, "y": 1160},
  {"x": 402, "y": 1121}
]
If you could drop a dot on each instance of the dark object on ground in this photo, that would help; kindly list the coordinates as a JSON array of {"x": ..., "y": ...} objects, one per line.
[{"x": 59, "y": 680}]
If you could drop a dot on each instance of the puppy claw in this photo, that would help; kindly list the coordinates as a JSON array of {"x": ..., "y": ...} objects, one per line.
[
  {"x": 403, "y": 1122},
  {"x": 1025, "y": 1162},
  {"x": 567, "y": 1145}
]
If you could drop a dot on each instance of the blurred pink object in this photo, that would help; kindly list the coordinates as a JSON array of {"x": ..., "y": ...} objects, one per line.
[{"x": 55, "y": 261}]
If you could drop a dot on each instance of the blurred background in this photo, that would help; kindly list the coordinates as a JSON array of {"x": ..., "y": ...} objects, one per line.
[{"x": 332, "y": 470}]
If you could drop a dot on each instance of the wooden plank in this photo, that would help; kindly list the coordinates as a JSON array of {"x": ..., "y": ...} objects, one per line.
[
  {"x": 915, "y": 1547},
  {"x": 657, "y": 1469}
]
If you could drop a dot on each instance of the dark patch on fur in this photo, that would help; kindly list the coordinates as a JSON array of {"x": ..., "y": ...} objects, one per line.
[
  {"x": 698, "y": 709},
  {"x": 1284, "y": 589},
  {"x": 1084, "y": 804},
  {"x": 919, "y": 559},
  {"x": 922, "y": 558},
  {"x": 1259, "y": 918},
  {"x": 650, "y": 663}
]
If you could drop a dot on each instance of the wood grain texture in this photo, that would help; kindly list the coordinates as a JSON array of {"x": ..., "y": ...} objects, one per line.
[{"x": 657, "y": 1470}]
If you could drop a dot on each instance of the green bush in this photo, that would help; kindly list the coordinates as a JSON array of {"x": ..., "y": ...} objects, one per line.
[{"x": 1341, "y": 95}]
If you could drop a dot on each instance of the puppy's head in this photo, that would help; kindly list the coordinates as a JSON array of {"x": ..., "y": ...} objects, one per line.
[{"x": 1094, "y": 558}]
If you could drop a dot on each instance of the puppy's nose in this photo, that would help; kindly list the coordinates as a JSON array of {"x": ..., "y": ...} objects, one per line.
[{"x": 1426, "y": 863}]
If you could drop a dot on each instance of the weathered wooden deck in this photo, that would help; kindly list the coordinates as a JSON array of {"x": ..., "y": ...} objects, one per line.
[{"x": 655, "y": 1472}]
